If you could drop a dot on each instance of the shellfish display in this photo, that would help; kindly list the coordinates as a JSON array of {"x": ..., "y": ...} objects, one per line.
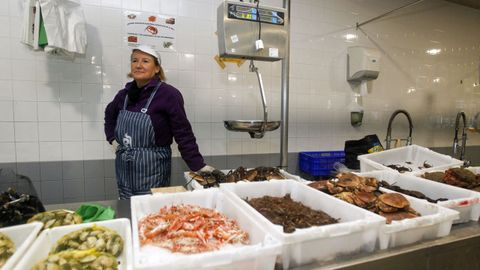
[
  {"x": 253, "y": 175},
  {"x": 189, "y": 229},
  {"x": 56, "y": 218},
  {"x": 98, "y": 237},
  {"x": 208, "y": 179},
  {"x": 217, "y": 177},
  {"x": 7, "y": 248},
  {"x": 82, "y": 260},
  {"x": 94, "y": 247},
  {"x": 290, "y": 214},
  {"x": 459, "y": 177},
  {"x": 413, "y": 193},
  {"x": 407, "y": 167},
  {"x": 363, "y": 192},
  {"x": 17, "y": 208}
]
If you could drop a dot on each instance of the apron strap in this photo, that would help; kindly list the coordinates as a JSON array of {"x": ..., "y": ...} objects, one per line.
[{"x": 145, "y": 108}]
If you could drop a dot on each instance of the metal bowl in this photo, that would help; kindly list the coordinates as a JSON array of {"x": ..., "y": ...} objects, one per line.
[{"x": 250, "y": 125}]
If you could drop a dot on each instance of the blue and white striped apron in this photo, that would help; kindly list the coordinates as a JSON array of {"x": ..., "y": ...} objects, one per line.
[{"x": 140, "y": 165}]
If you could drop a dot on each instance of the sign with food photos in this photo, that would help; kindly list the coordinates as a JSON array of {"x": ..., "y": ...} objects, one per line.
[{"x": 151, "y": 29}]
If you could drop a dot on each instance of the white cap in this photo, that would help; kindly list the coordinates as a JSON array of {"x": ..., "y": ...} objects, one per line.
[{"x": 148, "y": 49}]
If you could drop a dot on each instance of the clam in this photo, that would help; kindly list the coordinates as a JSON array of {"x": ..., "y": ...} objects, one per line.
[
  {"x": 56, "y": 218},
  {"x": 101, "y": 238},
  {"x": 78, "y": 259},
  {"x": 7, "y": 248}
]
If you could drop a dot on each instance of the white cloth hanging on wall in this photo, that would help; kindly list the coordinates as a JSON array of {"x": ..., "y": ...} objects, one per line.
[
  {"x": 65, "y": 26},
  {"x": 31, "y": 19}
]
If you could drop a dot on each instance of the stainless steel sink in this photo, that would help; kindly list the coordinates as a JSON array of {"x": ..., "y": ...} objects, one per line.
[{"x": 255, "y": 128}]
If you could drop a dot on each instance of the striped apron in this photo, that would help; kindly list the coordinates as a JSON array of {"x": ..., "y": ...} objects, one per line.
[{"x": 139, "y": 164}]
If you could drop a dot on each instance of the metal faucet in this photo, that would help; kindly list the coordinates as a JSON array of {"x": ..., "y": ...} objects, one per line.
[
  {"x": 389, "y": 129},
  {"x": 474, "y": 125},
  {"x": 456, "y": 146}
]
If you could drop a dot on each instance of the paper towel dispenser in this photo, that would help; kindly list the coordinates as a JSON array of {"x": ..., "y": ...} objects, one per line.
[
  {"x": 240, "y": 25},
  {"x": 363, "y": 64}
]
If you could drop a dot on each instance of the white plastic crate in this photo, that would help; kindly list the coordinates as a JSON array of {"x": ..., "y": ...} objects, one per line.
[
  {"x": 412, "y": 156},
  {"x": 47, "y": 239},
  {"x": 260, "y": 254},
  {"x": 22, "y": 236},
  {"x": 436, "y": 221},
  {"x": 466, "y": 202},
  {"x": 475, "y": 170},
  {"x": 193, "y": 184},
  {"x": 357, "y": 230}
]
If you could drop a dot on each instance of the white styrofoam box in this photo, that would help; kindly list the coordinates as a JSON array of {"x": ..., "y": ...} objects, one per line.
[
  {"x": 193, "y": 184},
  {"x": 357, "y": 230},
  {"x": 260, "y": 254},
  {"x": 465, "y": 201},
  {"x": 413, "y": 154},
  {"x": 47, "y": 239},
  {"x": 22, "y": 236}
]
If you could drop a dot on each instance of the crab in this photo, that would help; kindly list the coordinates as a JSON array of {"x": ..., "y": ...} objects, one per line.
[
  {"x": 256, "y": 174},
  {"x": 399, "y": 215},
  {"x": 319, "y": 185},
  {"x": 209, "y": 179},
  {"x": 267, "y": 173},
  {"x": 370, "y": 184},
  {"x": 344, "y": 182},
  {"x": 366, "y": 200},
  {"x": 461, "y": 177},
  {"x": 152, "y": 29},
  {"x": 434, "y": 176},
  {"x": 351, "y": 182},
  {"x": 359, "y": 198},
  {"x": 346, "y": 196},
  {"x": 391, "y": 202},
  {"x": 236, "y": 175},
  {"x": 251, "y": 175},
  {"x": 394, "y": 206}
]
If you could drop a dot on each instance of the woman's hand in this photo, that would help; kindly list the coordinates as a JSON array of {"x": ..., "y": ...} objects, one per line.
[
  {"x": 206, "y": 169},
  {"x": 115, "y": 146}
]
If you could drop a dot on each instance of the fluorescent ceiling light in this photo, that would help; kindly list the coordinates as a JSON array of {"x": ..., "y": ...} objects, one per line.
[
  {"x": 350, "y": 36},
  {"x": 434, "y": 51}
]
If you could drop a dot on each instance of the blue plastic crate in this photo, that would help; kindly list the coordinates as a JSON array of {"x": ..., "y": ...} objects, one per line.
[{"x": 320, "y": 163}]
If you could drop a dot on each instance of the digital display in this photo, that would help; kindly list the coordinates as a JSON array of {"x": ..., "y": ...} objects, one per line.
[{"x": 247, "y": 13}]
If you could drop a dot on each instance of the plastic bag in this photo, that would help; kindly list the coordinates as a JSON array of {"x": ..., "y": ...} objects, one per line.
[{"x": 354, "y": 148}]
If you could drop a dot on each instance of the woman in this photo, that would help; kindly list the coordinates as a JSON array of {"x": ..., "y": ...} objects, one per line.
[{"x": 143, "y": 119}]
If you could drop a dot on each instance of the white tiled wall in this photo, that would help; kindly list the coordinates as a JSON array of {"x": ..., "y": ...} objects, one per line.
[{"x": 52, "y": 109}]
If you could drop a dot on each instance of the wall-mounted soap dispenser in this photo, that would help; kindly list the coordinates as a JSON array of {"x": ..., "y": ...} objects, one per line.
[{"x": 363, "y": 64}]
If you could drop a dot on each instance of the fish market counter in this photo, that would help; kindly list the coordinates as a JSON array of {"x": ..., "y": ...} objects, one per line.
[{"x": 459, "y": 250}]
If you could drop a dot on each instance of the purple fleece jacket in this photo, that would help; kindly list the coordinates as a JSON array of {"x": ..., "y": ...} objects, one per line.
[{"x": 168, "y": 117}]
